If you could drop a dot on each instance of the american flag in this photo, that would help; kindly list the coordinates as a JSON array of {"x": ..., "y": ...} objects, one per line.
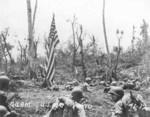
[{"x": 53, "y": 41}]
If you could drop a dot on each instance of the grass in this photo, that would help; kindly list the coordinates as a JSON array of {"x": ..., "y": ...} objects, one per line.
[{"x": 36, "y": 101}]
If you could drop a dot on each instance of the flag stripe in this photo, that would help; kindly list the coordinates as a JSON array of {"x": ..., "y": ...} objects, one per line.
[
  {"x": 50, "y": 67},
  {"x": 53, "y": 41},
  {"x": 51, "y": 79},
  {"x": 51, "y": 57},
  {"x": 49, "y": 74},
  {"x": 51, "y": 54}
]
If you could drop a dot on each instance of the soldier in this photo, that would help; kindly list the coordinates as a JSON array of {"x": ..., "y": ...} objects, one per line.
[
  {"x": 3, "y": 111},
  {"x": 88, "y": 80},
  {"x": 68, "y": 106},
  {"x": 4, "y": 107},
  {"x": 3, "y": 100},
  {"x": 126, "y": 105},
  {"x": 11, "y": 114}
]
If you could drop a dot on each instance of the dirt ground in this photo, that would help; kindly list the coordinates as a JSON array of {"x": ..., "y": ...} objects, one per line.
[{"x": 33, "y": 101}]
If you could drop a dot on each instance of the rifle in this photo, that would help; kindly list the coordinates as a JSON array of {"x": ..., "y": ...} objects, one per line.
[
  {"x": 142, "y": 109},
  {"x": 136, "y": 101}
]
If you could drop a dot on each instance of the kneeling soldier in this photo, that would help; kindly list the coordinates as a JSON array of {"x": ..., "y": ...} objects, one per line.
[{"x": 68, "y": 106}]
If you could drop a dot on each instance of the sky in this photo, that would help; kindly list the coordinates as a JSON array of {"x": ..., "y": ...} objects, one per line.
[{"x": 120, "y": 14}]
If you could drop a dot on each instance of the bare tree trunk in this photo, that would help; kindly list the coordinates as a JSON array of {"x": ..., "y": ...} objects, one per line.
[
  {"x": 133, "y": 39},
  {"x": 35, "y": 45},
  {"x": 5, "y": 43},
  {"x": 34, "y": 15},
  {"x": 30, "y": 27},
  {"x": 30, "y": 37},
  {"x": 6, "y": 64},
  {"x": 82, "y": 61},
  {"x": 117, "y": 60},
  {"x": 31, "y": 22},
  {"x": 106, "y": 40},
  {"x": 118, "y": 53},
  {"x": 21, "y": 55},
  {"x": 3, "y": 49},
  {"x": 94, "y": 49},
  {"x": 25, "y": 54},
  {"x": 104, "y": 29},
  {"x": 74, "y": 51},
  {"x": 80, "y": 40},
  {"x": 74, "y": 43},
  {"x": 21, "y": 50},
  {"x": 73, "y": 22},
  {"x": 1, "y": 55}
]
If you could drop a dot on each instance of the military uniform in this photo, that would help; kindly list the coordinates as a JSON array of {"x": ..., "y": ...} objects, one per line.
[
  {"x": 4, "y": 108},
  {"x": 3, "y": 111},
  {"x": 126, "y": 108},
  {"x": 68, "y": 106},
  {"x": 3, "y": 100},
  {"x": 126, "y": 105}
]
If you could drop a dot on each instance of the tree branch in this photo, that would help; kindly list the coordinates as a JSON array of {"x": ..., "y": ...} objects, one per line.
[{"x": 34, "y": 15}]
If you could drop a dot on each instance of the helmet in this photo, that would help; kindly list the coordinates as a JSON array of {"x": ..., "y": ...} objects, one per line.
[
  {"x": 88, "y": 79},
  {"x": 2, "y": 73},
  {"x": 11, "y": 114},
  {"x": 77, "y": 93},
  {"x": 118, "y": 91},
  {"x": 3, "y": 110}
]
